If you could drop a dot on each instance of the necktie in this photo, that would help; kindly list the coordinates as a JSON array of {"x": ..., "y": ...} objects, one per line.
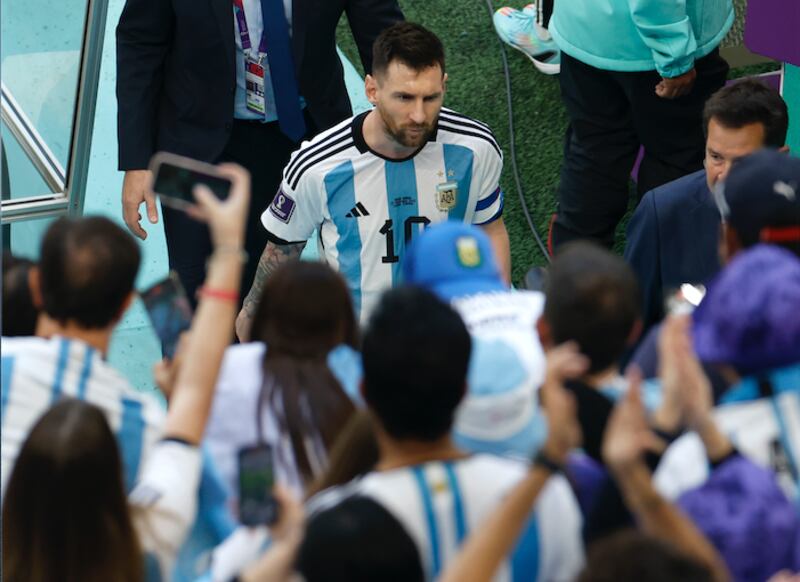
[{"x": 281, "y": 68}]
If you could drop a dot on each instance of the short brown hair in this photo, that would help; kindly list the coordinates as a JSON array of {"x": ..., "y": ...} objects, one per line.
[
  {"x": 749, "y": 101},
  {"x": 592, "y": 299},
  {"x": 88, "y": 268},
  {"x": 411, "y": 44}
]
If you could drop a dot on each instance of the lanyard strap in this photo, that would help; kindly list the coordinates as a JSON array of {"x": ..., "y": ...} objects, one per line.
[{"x": 244, "y": 33}]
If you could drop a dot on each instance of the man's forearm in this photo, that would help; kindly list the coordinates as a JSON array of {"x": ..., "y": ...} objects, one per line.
[
  {"x": 271, "y": 259},
  {"x": 497, "y": 233},
  {"x": 661, "y": 519}
]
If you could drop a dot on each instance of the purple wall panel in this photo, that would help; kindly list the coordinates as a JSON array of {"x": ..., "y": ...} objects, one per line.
[{"x": 772, "y": 29}]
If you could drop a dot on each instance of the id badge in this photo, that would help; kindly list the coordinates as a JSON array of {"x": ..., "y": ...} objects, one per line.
[{"x": 254, "y": 82}]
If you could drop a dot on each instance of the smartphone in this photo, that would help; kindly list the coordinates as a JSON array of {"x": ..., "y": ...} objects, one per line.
[
  {"x": 257, "y": 505},
  {"x": 169, "y": 310},
  {"x": 174, "y": 179},
  {"x": 684, "y": 299}
]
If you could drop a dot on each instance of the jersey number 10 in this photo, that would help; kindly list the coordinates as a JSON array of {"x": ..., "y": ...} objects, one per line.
[{"x": 408, "y": 229}]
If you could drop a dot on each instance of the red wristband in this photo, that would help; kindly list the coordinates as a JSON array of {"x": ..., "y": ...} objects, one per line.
[{"x": 219, "y": 294}]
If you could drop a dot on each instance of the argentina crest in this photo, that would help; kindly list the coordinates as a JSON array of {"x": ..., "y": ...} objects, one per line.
[{"x": 446, "y": 196}]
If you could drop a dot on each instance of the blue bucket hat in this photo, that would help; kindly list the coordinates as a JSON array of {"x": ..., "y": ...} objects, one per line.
[
  {"x": 750, "y": 317},
  {"x": 453, "y": 259}
]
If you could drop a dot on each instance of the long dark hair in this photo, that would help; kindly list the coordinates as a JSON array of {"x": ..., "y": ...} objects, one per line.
[
  {"x": 65, "y": 513},
  {"x": 354, "y": 453},
  {"x": 304, "y": 313}
]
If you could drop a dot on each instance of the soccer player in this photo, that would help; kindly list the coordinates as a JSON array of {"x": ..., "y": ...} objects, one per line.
[{"x": 369, "y": 184}]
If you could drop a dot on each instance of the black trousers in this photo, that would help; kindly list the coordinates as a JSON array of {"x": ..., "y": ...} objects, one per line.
[
  {"x": 264, "y": 150},
  {"x": 611, "y": 114}
]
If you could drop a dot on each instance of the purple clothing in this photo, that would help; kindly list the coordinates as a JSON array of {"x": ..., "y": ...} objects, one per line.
[{"x": 742, "y": 510}]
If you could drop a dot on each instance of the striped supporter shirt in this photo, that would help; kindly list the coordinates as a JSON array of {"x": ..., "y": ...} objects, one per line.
[
  {"x": 36, "y": 372},
  {"x": 440, "y": 503}
]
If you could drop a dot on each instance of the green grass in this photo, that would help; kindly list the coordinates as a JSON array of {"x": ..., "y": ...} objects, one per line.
[{"x": 476, "y": 87}]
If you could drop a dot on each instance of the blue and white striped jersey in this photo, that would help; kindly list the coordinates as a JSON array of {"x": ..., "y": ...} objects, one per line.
[
  {"x": 440, "y": 503},
  {"x": 367, "y": 208},
  {"x": 36, "y": 372}
]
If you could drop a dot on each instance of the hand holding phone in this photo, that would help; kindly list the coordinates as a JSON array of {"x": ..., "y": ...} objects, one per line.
[
  {"x": 174, "y": 179},
  {"x": 169, "y": 310},
  {"x": 257, "y": 504}
]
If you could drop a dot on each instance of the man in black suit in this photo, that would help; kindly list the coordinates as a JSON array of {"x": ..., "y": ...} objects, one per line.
[
  {"x": 216, "y": 81},
  {"x": 673, "y": 236}
]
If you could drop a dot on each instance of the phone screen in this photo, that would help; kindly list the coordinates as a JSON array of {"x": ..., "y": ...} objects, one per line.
[
  {"x": 174, "y": 182},
  {"x": 169, "y": 310},
  {"x": 257, "y": 506}
]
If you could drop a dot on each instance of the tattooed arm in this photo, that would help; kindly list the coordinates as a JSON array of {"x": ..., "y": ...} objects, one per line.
[{"x": 273, "y": 257}]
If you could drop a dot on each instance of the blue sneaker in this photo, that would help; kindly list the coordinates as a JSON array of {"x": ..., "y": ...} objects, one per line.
[{"x": 519, "y": 29}]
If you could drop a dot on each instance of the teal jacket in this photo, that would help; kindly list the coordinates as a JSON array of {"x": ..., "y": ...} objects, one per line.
[{"x": 640, "y": 35}]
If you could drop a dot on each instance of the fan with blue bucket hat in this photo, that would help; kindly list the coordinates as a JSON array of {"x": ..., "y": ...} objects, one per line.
[{"x": 500, "y": 412}]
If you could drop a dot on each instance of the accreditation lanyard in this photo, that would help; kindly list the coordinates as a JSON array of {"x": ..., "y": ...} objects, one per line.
[{"x": 253, "y": 69}]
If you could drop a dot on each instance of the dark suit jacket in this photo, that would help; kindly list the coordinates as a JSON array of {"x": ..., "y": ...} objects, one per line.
[
  {"x": 673, "y": 238},
  {"x": 176, "y": 75}
]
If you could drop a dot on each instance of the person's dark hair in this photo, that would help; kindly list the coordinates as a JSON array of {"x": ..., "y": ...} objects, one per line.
[
  {"x": 749, "y": 101},
  {"x": 65, "y": 513},
  {"x": 410, "y": 44},
  {"x": 416, "y": 353},
  {"x": 630, "y": 556},
  {"x": 354, "y": 453},
  {"x": 304, "y": 313},
  {"x": 87, "y": 270},
  {"x": 592, "y": 298},
  {"x": 358, "y": 540},
  {"x": 19, "y": 312}
]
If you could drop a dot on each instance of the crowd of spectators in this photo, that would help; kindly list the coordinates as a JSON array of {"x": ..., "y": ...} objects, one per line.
[{"x": 467, "y": 432}]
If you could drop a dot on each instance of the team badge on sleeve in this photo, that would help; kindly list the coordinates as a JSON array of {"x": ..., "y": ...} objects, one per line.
[
  {"x": 446, "y": 195},
  {"x": 282, "y": 207}
]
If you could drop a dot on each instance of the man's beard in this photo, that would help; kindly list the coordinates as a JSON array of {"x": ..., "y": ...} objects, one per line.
[{"x": 403, "y": 135}]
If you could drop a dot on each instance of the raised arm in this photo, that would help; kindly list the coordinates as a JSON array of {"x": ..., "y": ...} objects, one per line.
[
  {"x": 211, "y": 332},
  {"x": 627, "y": 437},
  {"x": 274, "y": 256},
  {"x": 165, "y": 496}
]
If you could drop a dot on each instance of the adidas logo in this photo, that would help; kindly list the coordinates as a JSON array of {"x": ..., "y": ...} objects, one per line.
[{"x": 357, "y": 211}]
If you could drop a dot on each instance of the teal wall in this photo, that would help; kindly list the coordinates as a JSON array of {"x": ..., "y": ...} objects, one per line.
[{"x": 791, "y": 93}]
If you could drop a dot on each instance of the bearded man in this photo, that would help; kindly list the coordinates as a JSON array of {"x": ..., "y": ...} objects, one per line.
[{"x": 370, "y": 184}]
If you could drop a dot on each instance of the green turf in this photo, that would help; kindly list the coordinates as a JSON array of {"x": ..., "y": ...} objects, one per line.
[{"x": 476, "y": 87}]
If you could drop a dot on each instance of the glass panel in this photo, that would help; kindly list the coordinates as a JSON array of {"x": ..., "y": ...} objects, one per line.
[
  {"x": 21, "y": 179},
  {"x": 24, "y": 238},
  {"x": 40, "y": 45}
]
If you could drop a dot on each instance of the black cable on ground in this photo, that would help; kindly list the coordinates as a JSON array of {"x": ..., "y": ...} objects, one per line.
[{"x": 513, "y": 145}]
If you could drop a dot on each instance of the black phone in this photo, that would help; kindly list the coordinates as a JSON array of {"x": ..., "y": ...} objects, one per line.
[
  {"x": 174, "y": 179},
  {"x": 257, "y": 504},
  {"x": 169, "y": 310}
]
